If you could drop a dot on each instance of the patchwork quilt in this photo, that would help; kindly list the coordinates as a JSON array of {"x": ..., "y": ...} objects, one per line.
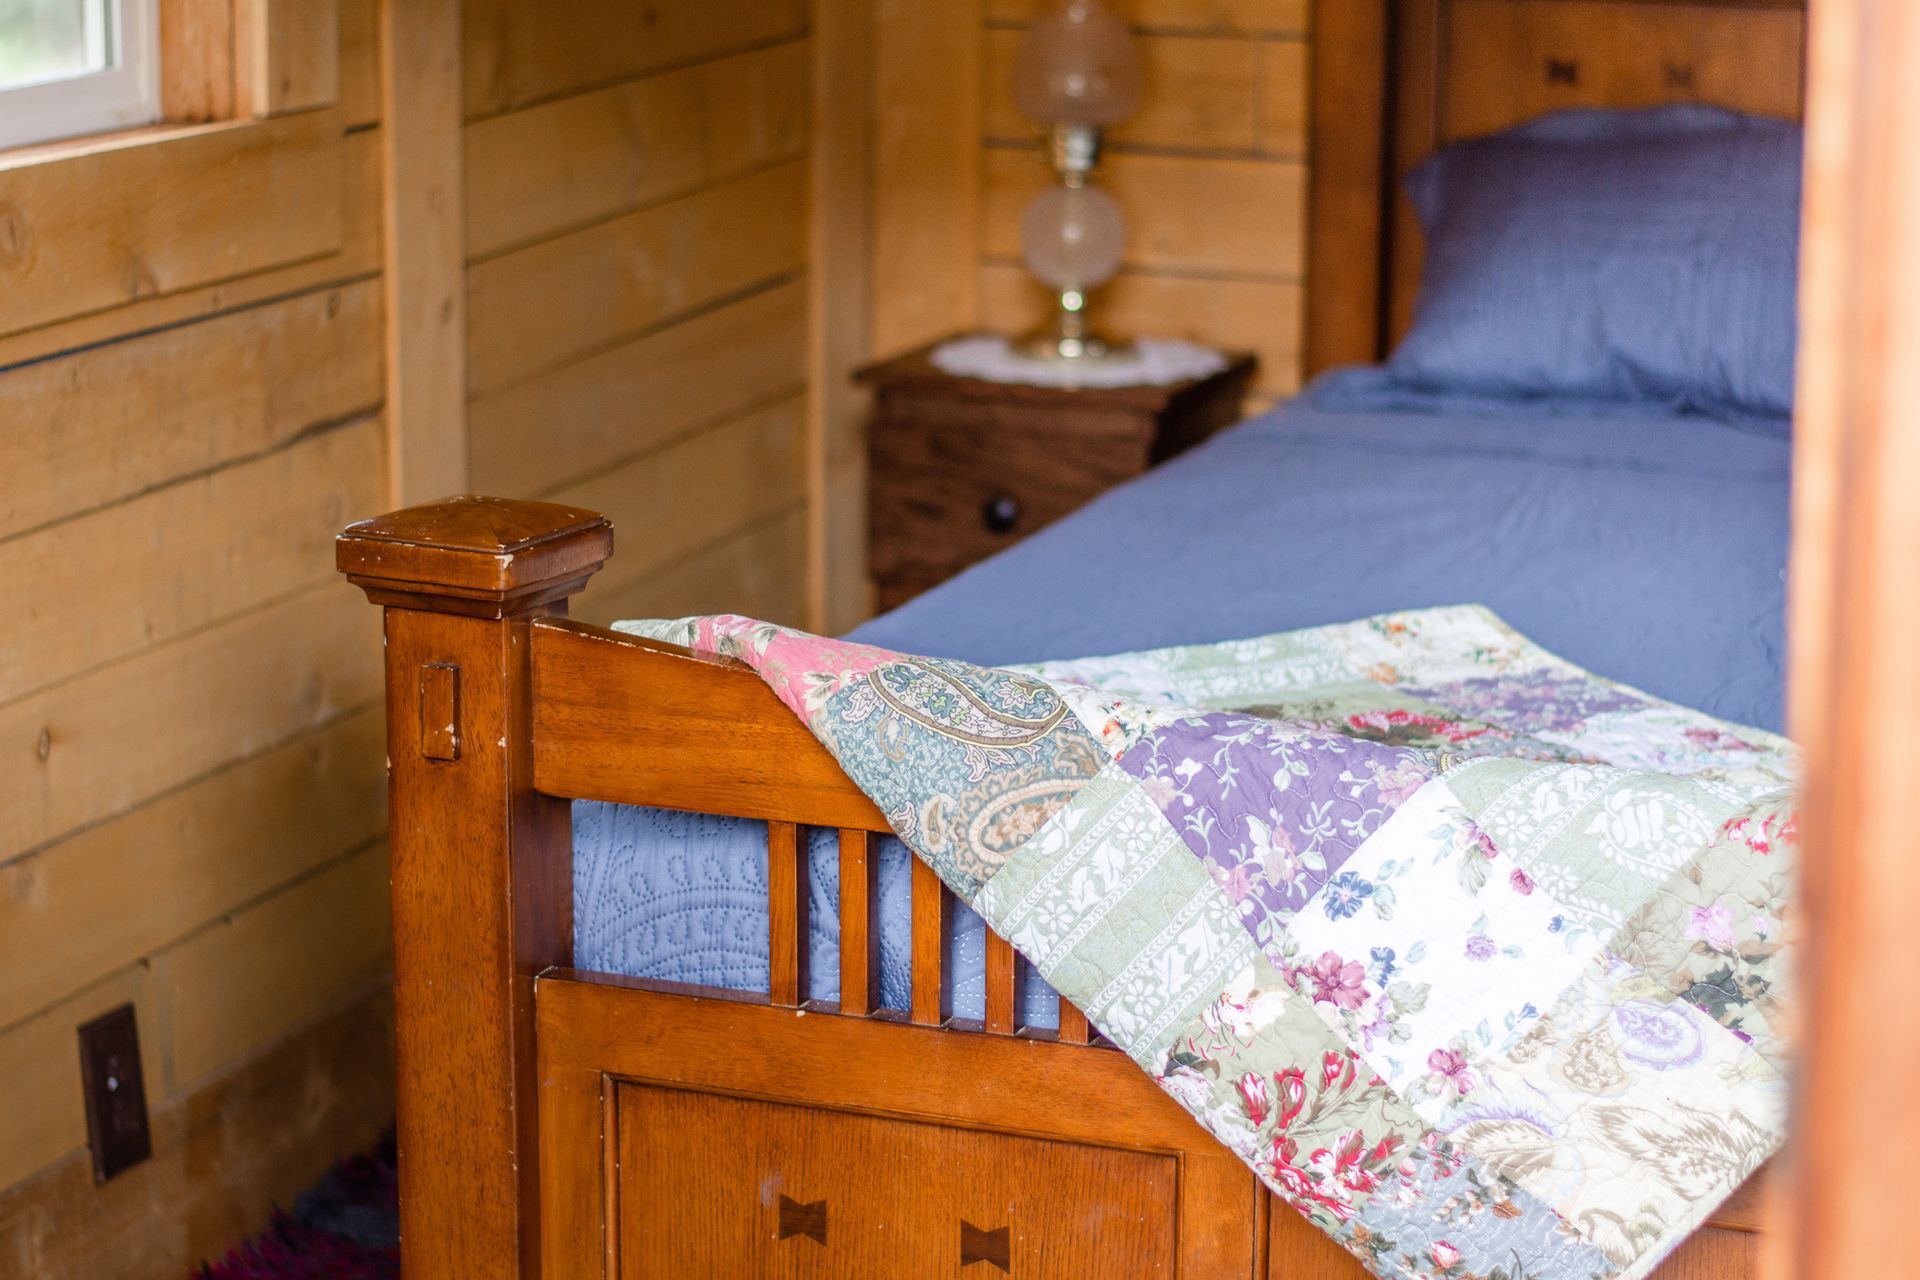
[{"x": 1478, "y": 960}]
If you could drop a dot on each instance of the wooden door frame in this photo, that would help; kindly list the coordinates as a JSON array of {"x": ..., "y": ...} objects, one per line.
[{"x": 1854, "y": 615}]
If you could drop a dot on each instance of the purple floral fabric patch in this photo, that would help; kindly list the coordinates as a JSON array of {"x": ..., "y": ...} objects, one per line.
[
  {"x": 1272, "y": 809},
  {"x": 1532, "y": 702}
]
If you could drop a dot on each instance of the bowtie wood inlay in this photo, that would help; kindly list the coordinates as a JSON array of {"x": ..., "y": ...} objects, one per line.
[
  {"x": 985, "y": 1246},
  {"x": 808, "y": 1220}
]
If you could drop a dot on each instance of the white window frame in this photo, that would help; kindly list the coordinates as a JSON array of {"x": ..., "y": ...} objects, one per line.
[{"x": 125, "y": 94}]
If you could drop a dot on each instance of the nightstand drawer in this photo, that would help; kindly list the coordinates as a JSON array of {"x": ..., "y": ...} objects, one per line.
[
  {"x": 958, "y": 482},
  {"x": 959, "y": 468}
]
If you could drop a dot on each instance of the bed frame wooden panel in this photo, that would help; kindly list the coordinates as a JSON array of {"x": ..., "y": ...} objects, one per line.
[{"x": 563, "y": 1124}]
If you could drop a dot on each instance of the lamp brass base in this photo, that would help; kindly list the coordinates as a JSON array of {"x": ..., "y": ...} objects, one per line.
[
  {"x": 1068, "y": 338},
  {"x": 1046, "y": 344}
]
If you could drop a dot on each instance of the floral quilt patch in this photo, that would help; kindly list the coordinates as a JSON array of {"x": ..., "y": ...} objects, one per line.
[
  {"x": 1457, "y": 951},
  {"x": 1273, "y": 810},
  {"x": 1478, "y": 960}
]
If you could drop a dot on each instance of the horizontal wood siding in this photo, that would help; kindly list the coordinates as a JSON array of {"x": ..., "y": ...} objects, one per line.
[
  {"x": 151, "y": 556},
  {"x": 104, "y": 743},
  {"x": 107, "y": 423},
  {"x": 638, "y": 210},
  {"x": 684, "y": 497},
  {"x": 553, "y": 428},
  {"x": 193, "y": 797},
  {"x": 540, "y": 307},
  {"x": 519, "y": 53},
  {"x": 140, "y": 882},
  {"x": 759, "y": 571},
  {"x": 255, "y": 975},
  {"x": 358, "y": 258},
  {"x": 216, "y": 202},
  {"x": 582, "y": 159}
]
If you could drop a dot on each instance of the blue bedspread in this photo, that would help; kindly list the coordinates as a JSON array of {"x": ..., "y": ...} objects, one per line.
[{"x": 1648, "y": 548}]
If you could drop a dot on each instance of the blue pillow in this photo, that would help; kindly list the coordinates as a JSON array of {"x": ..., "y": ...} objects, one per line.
[{"x": 1616, "y": 255}]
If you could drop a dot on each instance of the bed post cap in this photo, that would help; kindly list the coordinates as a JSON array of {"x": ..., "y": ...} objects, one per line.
[{"x": 487, "y": 557}]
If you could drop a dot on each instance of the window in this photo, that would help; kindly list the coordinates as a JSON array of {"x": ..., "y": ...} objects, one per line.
[{"x": 69, "y": 67}]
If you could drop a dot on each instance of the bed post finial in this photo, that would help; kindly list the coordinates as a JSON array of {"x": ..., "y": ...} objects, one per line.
[
  {"x": 482, "y": 863},
  {"x": 485, "y": 557}
]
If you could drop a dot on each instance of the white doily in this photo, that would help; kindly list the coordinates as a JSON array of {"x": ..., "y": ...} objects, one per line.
[{"x": 1154, "y": 362}]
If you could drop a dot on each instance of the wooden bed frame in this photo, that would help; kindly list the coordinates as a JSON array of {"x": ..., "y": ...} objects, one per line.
[{"x": 556, "y": 1123}]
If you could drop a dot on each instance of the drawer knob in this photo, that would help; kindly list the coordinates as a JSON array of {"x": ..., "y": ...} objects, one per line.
[{"x": 1000, "y": 513}]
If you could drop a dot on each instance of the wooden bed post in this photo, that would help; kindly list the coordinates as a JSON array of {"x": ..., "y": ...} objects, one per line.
[{"x": 481, "y": 862}]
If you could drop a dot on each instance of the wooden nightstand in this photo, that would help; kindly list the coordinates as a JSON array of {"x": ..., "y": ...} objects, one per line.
[{"x": 959, "y": 468}]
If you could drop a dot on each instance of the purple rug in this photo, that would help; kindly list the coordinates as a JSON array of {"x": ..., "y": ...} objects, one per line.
[{"x": 346, "y": 1227}]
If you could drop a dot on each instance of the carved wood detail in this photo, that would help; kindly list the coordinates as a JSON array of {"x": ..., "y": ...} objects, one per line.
[
  {"x": 992, "y": 1246},
  {"x": 809, "y": 1220},
  {"x": 440, "y": 711}
]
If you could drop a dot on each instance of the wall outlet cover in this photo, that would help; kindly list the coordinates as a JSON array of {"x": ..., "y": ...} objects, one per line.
[{"x": 115, "y": 1092}]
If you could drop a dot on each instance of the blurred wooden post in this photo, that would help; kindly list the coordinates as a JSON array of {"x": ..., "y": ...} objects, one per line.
[
  {"x": 839, "y": 303},
  {"x": 1855, "y": 629},
  {"x": 482, "y": 863},
  {"x": 925, "y": 214},
  {"x": 1347, "y": 185},
  {"x": 425, "y": 271}
]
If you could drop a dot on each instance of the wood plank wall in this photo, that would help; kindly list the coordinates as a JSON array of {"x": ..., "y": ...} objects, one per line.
[
  {"x": 192, "y": 808},
  {"x": 683, "y": 223},
  {"x": 1210, "y": 172},
  {"x": 638, "y": 184},
  {"x": 658, "y": 230}
]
